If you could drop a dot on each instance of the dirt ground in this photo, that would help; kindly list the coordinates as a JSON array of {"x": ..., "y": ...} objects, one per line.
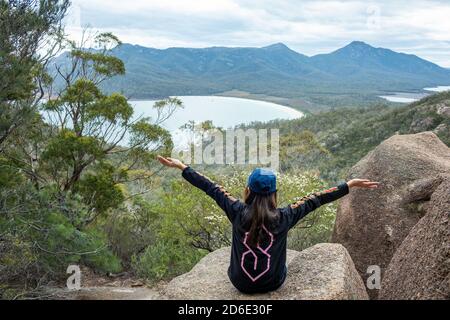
[{"x": 112, "y": 287}]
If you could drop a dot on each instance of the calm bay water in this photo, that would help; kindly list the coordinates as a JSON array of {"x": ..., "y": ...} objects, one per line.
[
  {"x": 222, "y": 111},
  {"x": 405, "y": 97},
  {"x": 438, "y": 89}
]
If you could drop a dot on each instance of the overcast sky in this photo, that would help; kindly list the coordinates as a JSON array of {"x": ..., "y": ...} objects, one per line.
[{"x": 421, "y": 27}]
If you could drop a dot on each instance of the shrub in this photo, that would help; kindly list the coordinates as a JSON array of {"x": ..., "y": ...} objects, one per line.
[
  {"x": 38, "y": 240},
  {"x": 165, "y": 260}
]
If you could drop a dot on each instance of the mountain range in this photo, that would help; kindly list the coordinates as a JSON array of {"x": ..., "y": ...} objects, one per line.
[{"x": 354, "y": 74}]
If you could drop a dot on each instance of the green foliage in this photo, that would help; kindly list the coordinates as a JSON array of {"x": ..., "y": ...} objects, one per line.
[
  {"x": 23, "y": 25},
  {"x": 39, "y": 240},
  {"x": 63, "y": 149},
  {"x": 131, "y": 231},
  {"x": 145, "y": 134},
  {"x": 165, "y": 260},
  {"x": 187, "y": 226},
  {"x": 100, "y": 257},
  {"x": 101, "y": 63},
  {"x": 9, "y": 177},
  {"x": 95, "y": 146},
  {"x": 75, "y": 165},
  {"x": 301, "y": 148},
  {"x": 100, "y": 190},
  {"x": 191, "y": 218},
  {"x": 317, "y": 226}
]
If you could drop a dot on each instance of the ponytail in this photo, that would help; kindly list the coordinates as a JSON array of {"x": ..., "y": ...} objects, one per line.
[{"x": 262, "y": 215}]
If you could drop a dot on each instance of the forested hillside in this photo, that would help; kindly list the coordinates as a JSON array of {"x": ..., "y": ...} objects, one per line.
[
  {"x": 351, "y": 76},
  {"x": 331, "y": 142}
]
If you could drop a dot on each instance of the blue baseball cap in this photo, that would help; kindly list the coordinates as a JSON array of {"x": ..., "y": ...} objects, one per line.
[{"x": 262, "y": 181}]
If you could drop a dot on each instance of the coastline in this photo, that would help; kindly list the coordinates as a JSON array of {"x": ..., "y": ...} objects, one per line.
[
  {"x": 410, "y": 97},
  {"x": 273, "y": 100}
]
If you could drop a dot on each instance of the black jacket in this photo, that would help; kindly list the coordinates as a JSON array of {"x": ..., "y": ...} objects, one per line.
[{"x": 261, "y": 269}]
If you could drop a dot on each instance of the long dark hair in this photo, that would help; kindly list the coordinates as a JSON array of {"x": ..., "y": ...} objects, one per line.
[{"x": 262, "y": 213}]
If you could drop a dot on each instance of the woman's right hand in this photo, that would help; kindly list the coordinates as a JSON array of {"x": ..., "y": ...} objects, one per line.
[{"x": 172, "y": 163}]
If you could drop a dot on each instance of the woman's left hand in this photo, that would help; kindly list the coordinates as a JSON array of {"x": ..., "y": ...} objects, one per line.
[{"x": 363, "y": 183}]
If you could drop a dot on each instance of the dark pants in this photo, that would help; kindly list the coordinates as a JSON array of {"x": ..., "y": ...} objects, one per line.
[{"x": 255, "y": 289}]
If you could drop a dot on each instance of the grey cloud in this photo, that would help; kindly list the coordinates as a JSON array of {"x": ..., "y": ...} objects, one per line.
[{"x": 307, "y": 26}]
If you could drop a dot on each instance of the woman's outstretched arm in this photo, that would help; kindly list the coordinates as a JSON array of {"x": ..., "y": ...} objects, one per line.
[
  {"x": 229, "y": 204},
  {"x": 305, "y": 205}
]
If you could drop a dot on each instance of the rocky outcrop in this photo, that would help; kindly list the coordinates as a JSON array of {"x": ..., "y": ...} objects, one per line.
[
  {"x": 443, "y": 110},
  {"x": 442, "y": 129},
  {"x": 420, "y": 268},
  {"x": 420, "y": 125},
  {"x": 324, "y": 271},
  {"x": 102, "y": 293},
  {"x": 373, "y": 224}
]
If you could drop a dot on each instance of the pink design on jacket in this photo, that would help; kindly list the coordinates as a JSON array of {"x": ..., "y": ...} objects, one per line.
[{"x": 255, "y": 264}]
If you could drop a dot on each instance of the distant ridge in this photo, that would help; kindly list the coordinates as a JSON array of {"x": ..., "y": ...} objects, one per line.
[{"x": 354, "y": 74}]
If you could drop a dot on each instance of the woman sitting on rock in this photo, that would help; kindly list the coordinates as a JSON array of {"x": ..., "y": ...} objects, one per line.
[{"x": 258, "y": 251}]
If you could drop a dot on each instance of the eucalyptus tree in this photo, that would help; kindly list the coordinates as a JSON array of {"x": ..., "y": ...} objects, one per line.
[
  {"x": 30, "y": 36},
  {"x": 95, "y": 145}
]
